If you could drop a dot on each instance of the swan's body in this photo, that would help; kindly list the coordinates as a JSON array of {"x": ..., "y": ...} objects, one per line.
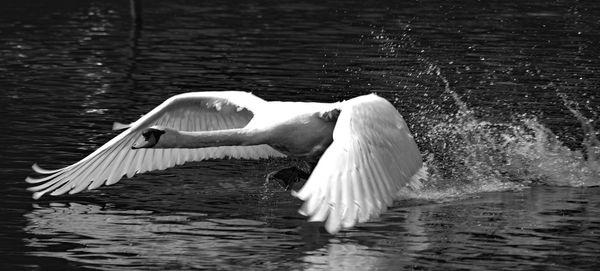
[{"x": 362, "y": 148}]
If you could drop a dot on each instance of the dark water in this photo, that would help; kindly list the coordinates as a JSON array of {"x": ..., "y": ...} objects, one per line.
[{"x": 502, "y": 97}]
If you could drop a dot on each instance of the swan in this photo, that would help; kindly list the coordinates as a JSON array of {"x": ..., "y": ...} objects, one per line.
[{"x": 361, "y": 150}]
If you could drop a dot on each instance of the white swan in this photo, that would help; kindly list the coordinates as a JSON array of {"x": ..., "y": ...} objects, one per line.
[{"x": 363, "y": 149}]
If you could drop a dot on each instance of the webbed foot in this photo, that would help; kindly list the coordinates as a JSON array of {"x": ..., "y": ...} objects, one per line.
[{"x": 287, "y": 177}]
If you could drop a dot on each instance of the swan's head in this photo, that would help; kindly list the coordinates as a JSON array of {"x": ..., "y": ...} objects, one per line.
[{"x": 156, "y": 137}]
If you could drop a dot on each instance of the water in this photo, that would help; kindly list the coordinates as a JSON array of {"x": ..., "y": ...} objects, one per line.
[{"x": 502, "y": 98}]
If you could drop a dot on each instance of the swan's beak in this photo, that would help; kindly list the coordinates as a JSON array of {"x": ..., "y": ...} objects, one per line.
[{"x": 151, "y": 137}]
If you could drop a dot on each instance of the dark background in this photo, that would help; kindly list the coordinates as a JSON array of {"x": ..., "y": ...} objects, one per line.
[{"x": 463, "y": 74}]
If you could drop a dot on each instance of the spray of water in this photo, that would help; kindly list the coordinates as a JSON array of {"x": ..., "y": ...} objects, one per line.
[{"x": 466, "y": 155}]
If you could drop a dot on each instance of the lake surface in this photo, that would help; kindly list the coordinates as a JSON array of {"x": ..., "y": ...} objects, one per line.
[{"x": 503, "y": 99}]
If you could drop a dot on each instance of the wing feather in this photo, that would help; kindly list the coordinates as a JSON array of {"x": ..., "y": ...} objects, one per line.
[
  {"x": 321, "y": 211},
  {"x": 119, "y": 170},
  {"x": 40, "y": 170},
  {"x": 354, "y": 194},
  {"x": 195, "y": 111},
  {"x": 372, "y": 156},
  {"x": 78, "y": 174},
  {"x": 102, "y": 169},
  {"x": 131, "y": 161},
  {"x": 362, "y": 195},
  {"x": 368, "y": 188}
]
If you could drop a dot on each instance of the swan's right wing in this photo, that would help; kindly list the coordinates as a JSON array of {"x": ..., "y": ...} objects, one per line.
[
  {"x": 372, "y": 156},
  {"x": 194, "y": 111}
]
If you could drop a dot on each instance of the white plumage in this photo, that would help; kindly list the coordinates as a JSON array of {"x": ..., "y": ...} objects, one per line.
[
  {"x": 364, "y": 156},
  {"x": 372, "y": 156}
]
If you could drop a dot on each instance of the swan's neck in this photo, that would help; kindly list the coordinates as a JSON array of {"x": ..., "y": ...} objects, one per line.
[{"x": 205, "y": 139}]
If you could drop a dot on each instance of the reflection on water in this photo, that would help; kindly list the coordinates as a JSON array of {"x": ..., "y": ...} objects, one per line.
[
  {"x": 502, "y": 99},
  {"x": 135, "y": 237},
  {"x": 538, "y": 227}
]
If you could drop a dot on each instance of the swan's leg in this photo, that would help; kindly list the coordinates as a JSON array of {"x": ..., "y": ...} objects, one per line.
[{"x": 286, "y": 177}]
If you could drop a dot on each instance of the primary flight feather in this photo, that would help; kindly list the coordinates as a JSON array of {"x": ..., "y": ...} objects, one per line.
[{"x": 361, "y": 150}]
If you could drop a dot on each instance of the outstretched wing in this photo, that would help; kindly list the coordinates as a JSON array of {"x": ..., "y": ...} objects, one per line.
[
  {"x": 372, "y": 156},
  {"x": 194, "y": 111}
]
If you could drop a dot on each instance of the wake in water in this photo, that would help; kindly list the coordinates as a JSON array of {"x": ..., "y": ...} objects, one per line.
[{"x": 466, "y": 155}]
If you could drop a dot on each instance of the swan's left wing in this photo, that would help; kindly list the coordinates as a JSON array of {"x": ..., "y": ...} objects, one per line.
[
  {"x": 372, "y": 156},
  {"x": 194, "y": 111}
]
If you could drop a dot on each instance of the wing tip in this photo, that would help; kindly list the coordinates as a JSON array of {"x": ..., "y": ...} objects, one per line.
[
  {"x": 37, "y": 168},
  {"x": 40, "y": 170},
  {"x": 37, "y": 195},
  {"x": 31, "y": 180},
  {"x": 299, "y": 194},
  {"x": 332, "y": 226},
  {"x": 120, "y": 126}
]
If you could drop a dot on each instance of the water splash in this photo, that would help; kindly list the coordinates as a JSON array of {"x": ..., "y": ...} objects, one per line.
[{"x": 467, "y": 155}]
